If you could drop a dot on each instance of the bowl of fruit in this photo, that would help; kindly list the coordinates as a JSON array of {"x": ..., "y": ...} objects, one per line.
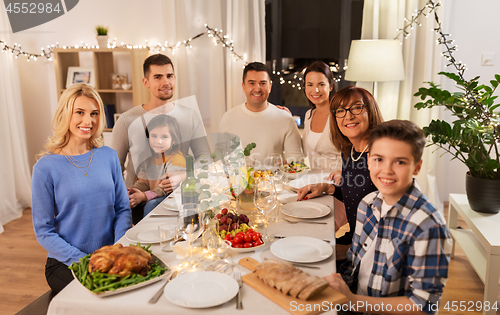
[
  {"x": 294, "y": 170},
  {"x": 236, "y": 230}
]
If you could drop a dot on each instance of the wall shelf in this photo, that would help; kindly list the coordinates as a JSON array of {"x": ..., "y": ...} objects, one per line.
[{"x": 105, "y": 62}]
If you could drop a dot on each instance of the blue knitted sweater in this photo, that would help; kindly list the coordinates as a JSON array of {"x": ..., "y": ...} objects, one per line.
[{"x": 74, "y": 214}]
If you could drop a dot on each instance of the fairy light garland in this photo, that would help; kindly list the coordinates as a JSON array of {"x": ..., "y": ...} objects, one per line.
[
  {"x": 220, "y": 38},
  {"x": 450, "y": 47},
  {"x": 297, "y": 81},
  {"x": 218, "y": 35}
]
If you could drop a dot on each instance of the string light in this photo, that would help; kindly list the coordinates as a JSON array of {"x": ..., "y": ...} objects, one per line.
[
  {"x": 48, "y": 52},
  {"x": 220, "y": 38},
  {"x": 487, "y": 118},
  {"x": 296, "y": 79}
]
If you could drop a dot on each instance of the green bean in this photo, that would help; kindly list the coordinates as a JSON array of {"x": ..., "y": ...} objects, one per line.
[{"x": 98, "y": 281}]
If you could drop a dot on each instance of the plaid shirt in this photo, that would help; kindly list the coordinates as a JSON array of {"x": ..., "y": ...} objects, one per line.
[{"x": 412, "y": 251}]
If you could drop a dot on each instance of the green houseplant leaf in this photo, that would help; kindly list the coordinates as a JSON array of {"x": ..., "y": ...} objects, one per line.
[{"x": 473, "y": 136}]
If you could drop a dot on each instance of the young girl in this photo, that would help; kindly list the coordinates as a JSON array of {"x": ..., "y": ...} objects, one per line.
[
  {"x": 164, "y": 141},
  {"x": 80, "y": 201}
]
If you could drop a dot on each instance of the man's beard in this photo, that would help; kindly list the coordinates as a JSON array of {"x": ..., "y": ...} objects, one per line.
[{"x": 166, "y": 98}]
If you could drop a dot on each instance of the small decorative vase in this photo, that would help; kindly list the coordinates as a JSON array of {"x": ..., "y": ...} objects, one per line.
[
  {"x": 102, "y": 41},
  {"x": 483, "y": 194}
]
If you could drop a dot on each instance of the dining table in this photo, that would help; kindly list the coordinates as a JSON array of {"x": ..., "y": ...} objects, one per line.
[{"x": 76, "y": 299}]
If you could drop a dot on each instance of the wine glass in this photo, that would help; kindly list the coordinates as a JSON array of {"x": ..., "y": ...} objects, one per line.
[
  {"x": 265, "y": 199},
  {"x": 191, "y": 225},
  {"x": 274, "y": 163}
]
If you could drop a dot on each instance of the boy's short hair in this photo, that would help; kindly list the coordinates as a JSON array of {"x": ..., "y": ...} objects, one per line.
[
  {"x": 402, "y": 130},
  {"x": 256, "y": 66},
  {"x": 157, "y": 60}
]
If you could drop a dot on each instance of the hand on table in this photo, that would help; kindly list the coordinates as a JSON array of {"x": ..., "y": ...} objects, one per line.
[
  {"x": 171, "y": 180},
  {"x": 135, "y": 197},
  {"x": 314, "y": 190}
]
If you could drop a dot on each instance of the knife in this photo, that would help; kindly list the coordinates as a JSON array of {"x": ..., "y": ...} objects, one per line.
[
  {"x": 280, "y": 237},
  {"x": 155, "y": 297},
  {"x": 300, "y": 265},
  {"x": 305, "y": 266}
]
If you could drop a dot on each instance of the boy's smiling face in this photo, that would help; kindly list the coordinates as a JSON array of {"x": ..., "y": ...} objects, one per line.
[{"x": 392, "y": 167}]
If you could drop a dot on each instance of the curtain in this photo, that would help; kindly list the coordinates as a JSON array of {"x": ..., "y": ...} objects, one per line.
[
  {"x": 15, "y": 183},
  {"x": 422, "y": 62},
  {"x": 206, "y": 70}
]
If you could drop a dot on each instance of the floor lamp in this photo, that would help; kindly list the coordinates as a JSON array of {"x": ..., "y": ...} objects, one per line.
[{"x": 377, "y": 60}]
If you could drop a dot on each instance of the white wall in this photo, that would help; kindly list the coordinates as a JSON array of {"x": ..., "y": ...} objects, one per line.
[
  {"x": 129, "y": 21},
  {"x": 472, "y": 26}
]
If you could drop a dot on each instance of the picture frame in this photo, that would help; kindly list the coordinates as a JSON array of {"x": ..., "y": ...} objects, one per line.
[
  {"x": 80, "y": 75},
  {"x": 118, "y": 80}
]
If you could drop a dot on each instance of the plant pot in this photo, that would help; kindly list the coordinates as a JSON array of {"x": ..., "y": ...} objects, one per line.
[
  {"x": 483, "y": 194},
  {"x": 102, "y": 41}
]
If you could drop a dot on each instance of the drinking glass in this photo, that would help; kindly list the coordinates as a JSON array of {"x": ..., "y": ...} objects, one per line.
[
  {"x": 274, "y": 163},
  {"x": 167, "y": 232},
  {"x": 191, "y": 225},
  {"x": 265, "y": 199}
]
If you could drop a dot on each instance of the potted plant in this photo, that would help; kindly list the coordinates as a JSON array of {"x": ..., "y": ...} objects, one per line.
[
  {"x": 473, "y": 136},
  {"x": 102, "y": 36}
]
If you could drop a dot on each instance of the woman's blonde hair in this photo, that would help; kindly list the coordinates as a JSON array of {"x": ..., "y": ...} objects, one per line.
[
  {"x": 62, "y": 118},
  {"x": 343, "y": 98}
]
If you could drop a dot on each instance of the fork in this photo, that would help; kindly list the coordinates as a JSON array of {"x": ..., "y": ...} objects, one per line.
[
  {"x": 303, "y": 221},
  {"x": 237, "y": 277}
]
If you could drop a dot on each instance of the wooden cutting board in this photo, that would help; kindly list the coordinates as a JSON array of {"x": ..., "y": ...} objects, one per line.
[{"x": 320, "y": 303}]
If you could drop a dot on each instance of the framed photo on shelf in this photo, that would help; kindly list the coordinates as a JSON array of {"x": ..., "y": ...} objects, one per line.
[
  {"x": 118, "y": 80},
  {"x": 80, "y": 75}
]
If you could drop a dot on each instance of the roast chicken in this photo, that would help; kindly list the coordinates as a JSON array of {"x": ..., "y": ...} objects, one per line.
[
  {"x": 289, "y": 280},
  {"x": 119, "y": 260}
]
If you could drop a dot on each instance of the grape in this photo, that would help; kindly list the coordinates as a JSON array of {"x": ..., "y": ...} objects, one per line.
[
  {"x": 223, "y": 220},
  {"x": 223, "y": 227},
  {"x": 230, "y": 215},
  {"x": 229, "y": 221},
  {"x": 235, "y": 226},
  {"x": 224, "y": 211},
  {"x": 218, "y": 216}
]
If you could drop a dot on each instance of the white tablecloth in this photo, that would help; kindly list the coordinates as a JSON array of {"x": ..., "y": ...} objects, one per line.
[{"x": 75, "y": 299}]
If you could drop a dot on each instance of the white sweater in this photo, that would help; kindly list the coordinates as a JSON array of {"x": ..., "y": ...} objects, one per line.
[
  {"x": 273, "y": 130},
  {"x": 324, "y": 155}
]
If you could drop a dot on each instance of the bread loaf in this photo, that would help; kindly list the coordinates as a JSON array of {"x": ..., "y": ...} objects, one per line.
[{"x": 289, "y": 280}]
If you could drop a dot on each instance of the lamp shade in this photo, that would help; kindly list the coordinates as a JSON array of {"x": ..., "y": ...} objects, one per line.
[{"x": 375, "y": 61}]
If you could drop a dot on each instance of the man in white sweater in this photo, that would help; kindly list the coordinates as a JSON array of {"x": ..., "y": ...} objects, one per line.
[
  {"x": 129, "y": 137},
  {"x": 273, "y": 130}
]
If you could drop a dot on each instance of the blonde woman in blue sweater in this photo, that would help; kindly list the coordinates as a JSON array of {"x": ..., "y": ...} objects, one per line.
[{"x": 80, "y": 202}]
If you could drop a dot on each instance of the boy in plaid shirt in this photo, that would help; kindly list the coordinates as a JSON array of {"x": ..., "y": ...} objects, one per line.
[{"x": 398, "y": 260}]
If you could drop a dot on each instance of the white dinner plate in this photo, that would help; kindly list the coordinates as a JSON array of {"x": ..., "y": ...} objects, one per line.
[
  {"x": 170, "y": 204},
  {"x": 311, "y": 178},
  {"x": 145, "y": 233},
  {"x": 201, "y": 289},
  {"x": 301, "y": 249},
  {"x": 305, "y": 209}
]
